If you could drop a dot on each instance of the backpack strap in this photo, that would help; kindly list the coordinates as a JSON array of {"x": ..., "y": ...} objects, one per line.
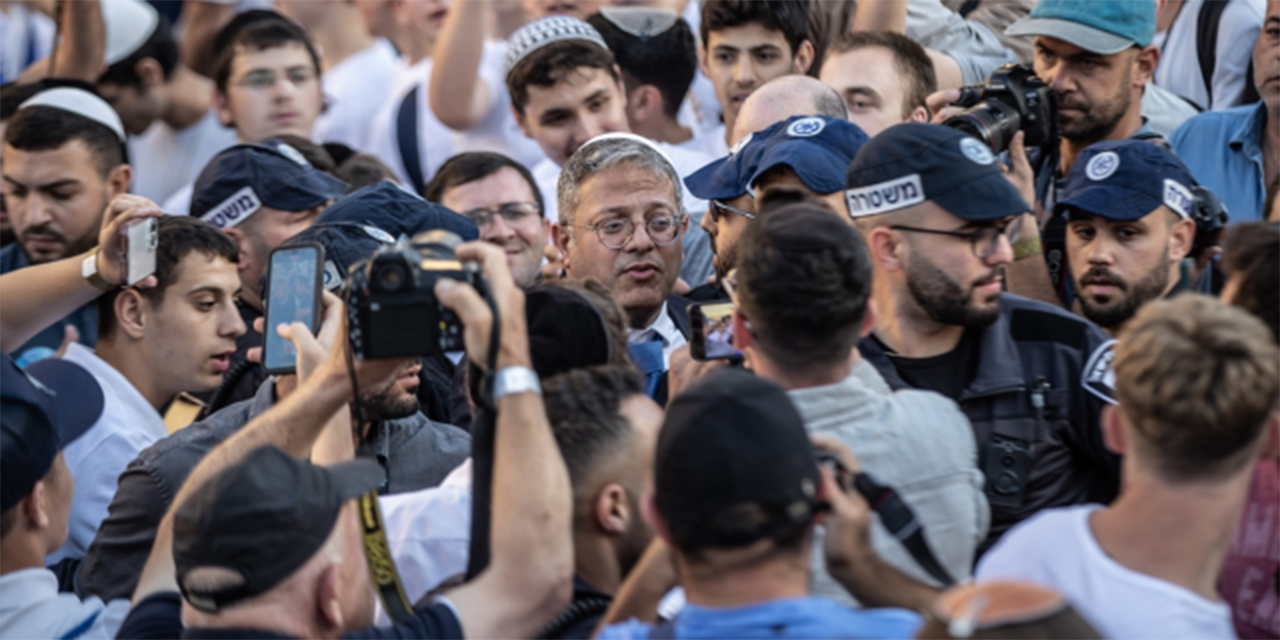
[
  {"x": 407, "y": 139},
  {"x": 1207, "y": 23}
]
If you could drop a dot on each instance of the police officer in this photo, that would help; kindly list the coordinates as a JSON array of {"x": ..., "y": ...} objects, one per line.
[
  {"x": 1128, "y": 207},
  {"x": 939, "y": 219},
  {"x": 259, "y": 195}
]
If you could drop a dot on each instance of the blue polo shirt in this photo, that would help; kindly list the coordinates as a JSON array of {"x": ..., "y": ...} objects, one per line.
[
  {"x": 1233, "y": 171},
  {"x": 811, "y": 617},
  {"x": 45, "y": 343}
]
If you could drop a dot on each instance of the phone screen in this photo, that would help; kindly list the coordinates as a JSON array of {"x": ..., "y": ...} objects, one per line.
[
  {"x": 712, "y": 325},
  {"x": 293, "y": 295}
]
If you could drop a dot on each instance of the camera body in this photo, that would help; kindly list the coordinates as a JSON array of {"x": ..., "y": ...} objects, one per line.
[
  {"x": 1013, "y": 99},
  {"x": 393, "y": 311}
]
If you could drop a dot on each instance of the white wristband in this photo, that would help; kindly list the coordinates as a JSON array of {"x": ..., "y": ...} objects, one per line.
[{"x": 515, "y": 380}]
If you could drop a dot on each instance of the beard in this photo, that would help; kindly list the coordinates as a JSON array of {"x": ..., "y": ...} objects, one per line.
[
  {"x": 1109, "y": 312},
  {"x": 635, "y": 540},
  {"x": 947, "y": 302},
  {"x": 389, "y": 401},
  {"x": 726, "y": 259},
  {"x": 71, "y": 246},
  {"x": 1095, "y": 122}
]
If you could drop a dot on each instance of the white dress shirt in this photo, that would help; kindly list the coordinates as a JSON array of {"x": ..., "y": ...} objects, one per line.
[
  {"x": 128, "y": 425},
  {"x": 31, "y": 607},
  {"x": 664, "y": 329}
]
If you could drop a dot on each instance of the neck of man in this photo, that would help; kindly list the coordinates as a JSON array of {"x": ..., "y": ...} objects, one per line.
[
  {"x": 737, "y": 582},
  {"x": 729, "y": 120},
  {"x": 280, "y": 617},
  {"x": 662, "y": 129},
  {"x": 22, "y": 550},
  {"x": 641, "y": 317},
  {"x": 906, "y": 328},
  {"x": 811, "y": 377},
  {"x": 190, "y": 96},
  {"x": 129, "y": 360},
  {"x": 1128, "y": 125},
  {"x": 596, "y": 561},
  {"x": 417, "y": 48},
  {"x": 1271, "y": 146},
  {"x": 1135, "y": 530},
  {"x": 341, "y": 36}
]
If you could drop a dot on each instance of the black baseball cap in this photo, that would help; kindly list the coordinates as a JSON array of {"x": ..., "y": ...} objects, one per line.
[
  {"x": 566, "y": 331},
  {"x": 398, "y": 212},
  {"x": 734, "y": 463},
  {"x": 911, "y": 162},
  {"x": 244, "y": 178},
  {"x": 41, "y": 411},
  {"x": 262, "y": 518},
  {"x": 344, "y": 243}
]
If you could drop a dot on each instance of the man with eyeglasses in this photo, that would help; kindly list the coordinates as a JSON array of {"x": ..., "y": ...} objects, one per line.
[
  {"x": 501, "y": 197},
  {"x": 940, "y": 219},
  {"x": 622, "y": 223}
]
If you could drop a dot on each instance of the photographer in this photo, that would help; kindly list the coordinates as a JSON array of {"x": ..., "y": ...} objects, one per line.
[{"x": 313, "y": 581}]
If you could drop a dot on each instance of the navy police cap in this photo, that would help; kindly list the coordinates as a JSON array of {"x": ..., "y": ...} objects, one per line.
[
  {"x": 1125, "y": 180},
  {"x": 818, "y": 148},
  {"x": 911, "y": 162},
  {"x": 244, "y": 178},
  {"x": 396, "y": 211}
]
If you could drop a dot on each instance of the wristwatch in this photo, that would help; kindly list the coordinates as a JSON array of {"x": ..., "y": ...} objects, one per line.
[
  {"x": 89, "y": 271},
  {"x": 515, "y": 380}
]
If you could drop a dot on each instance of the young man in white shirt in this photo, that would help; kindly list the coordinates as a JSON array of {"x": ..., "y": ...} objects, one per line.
[
  {"x": 1191, "y": 434},
  {"x": 166, "y": 108},
  {"x": 153, "y": 344}
]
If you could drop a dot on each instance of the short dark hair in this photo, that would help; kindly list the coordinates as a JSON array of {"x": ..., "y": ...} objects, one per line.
[
  {"x": 160, "y": 46},
  {"x": 804, "y": 279},
  {"x": 269, "y": 33},
  {"x": 177, "y": 236},
  {"x": 553, "y": 63},
  {"x": 13, "y": 94},
  {"x": 42, "y": 128},
  {"x": 1252, "y": 254},
  {"x": 583, "y": 407},
  {"x": 912, "y": 62},
  {"x": 362, "y": 169},
  {"x": 316, "y": 155},
  {"x": 790, "y": 17},
  {"x": 668, "y": 60},
  {"x": 477, "y": 165}
]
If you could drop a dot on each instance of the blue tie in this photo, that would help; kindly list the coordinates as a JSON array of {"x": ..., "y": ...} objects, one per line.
[{"x": 647, "y": 357}]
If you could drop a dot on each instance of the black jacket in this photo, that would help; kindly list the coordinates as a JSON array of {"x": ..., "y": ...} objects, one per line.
[{"x": 1033, "y": 458}]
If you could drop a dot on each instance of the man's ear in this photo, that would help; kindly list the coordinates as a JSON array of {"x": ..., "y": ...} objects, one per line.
[
  {"x": 702, "y": 60},
  {"x": 520, "y": 121},
  {"x": 118, "y": 180},
  {"x": 35, "y": 507},
  {"x": 804, "y": 57},
  {"x": 132, "y": 312},
  {"x": 644, "y": 104},
  {"x": 919, "y": 114},
  {"x": 244, "y": 259},
  {"x": 150, "y": 73},
  {"x": 561, "y": 238},
  {"x": 612, "y": 511},
  {"x": 328, "y": 601},
  {"x": 742, "y": 338},
  {"x": 886, "y": 250},
  {"x": 1113, "y": 429},
  {"x": 1145, "y": 64},
  {"x": 1182, "y": 235},
  {"x": 656, "y": 522},
  {"x": 224, "y": 113}
]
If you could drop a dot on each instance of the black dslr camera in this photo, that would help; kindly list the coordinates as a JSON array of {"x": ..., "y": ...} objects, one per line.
[
  {"x": 1012, "y": 99},
  {"x": 393, "y": 311}
]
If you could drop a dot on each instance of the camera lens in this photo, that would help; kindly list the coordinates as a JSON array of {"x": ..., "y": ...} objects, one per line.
[
  {"x": 390, "y": 276},
  {"x": 993, "y": 122}
]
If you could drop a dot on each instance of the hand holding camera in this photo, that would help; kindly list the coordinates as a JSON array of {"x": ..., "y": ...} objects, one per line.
[{"x": 468, "y": 302}]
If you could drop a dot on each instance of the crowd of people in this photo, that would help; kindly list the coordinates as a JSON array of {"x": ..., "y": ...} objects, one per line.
[{"x": 640, "y": 319}]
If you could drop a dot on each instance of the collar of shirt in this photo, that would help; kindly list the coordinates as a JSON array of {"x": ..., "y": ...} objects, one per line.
[
  {"x": 1248, "y": 135},
  {"x": 114, "y": 384},
  {"x": 30, "y": 605},
  {"x": 663, "y": 328}
]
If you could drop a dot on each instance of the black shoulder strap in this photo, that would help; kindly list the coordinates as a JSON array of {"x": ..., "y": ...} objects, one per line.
[
  {"x": 1207, "y": 44},
  {"x": 664, "y": 630},
  {"x": 407, "y": 139}
]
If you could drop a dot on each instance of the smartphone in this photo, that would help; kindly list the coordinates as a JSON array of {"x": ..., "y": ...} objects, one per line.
[
  {"x": 711, "y": 332},
  {"x": 295, "y": 278},
  {"x": 140, "y": 250}
]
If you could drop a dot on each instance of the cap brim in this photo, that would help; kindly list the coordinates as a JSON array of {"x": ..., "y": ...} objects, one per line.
[
  {"x": 355, "y": 478},
  {"x": 1111, "y": 202},
  {"x": 712, "y": 182},
  {"x": 988, "y": 198},
  {"x": 1080, "y": 35},
  {"x": 312, "y": 190},
  {"x": 79, "y": 401}
]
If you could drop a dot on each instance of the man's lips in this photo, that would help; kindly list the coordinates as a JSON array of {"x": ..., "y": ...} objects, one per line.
[
  {"x": 409, "y": 377},
  {"x": 222, "y": 361},
  {"x": 41, "y": 242},
  {"x": 642, "y": 271},
  {"x": 287, "y": 117}
]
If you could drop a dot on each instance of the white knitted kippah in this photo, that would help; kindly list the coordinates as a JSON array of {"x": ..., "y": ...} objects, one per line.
[
  {"x": 81, "y": 103},
  {"x": 641, "y": 22},
  {"x": 548, "y": 30}
]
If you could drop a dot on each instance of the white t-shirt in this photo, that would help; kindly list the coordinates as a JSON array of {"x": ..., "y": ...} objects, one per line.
[
  {"x": 1179, "y": 69},
  {"x": 435, "y": 141},
  {"x": 165, "y": 159},
  {"x": 26, "y": 35},
  {"x": 356, "y": 88},
  {"x": 1056, "y": 549},
  {"x": 32, "y": 607}
]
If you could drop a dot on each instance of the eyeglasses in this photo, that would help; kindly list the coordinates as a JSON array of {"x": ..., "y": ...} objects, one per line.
[
  {"x": 615, "y": 233},
  {"x": 513, "y": 213},
  {"x": 266, "y": 78},
  {"x": 982, "y": 241},
  {"x": 719, "y": 210}
]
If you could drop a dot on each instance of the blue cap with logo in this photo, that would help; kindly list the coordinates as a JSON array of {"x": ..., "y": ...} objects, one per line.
[
  {"x": 42, "y": 410},
  {"x": 911, "y": 162},
  {"x": 398, "y": 212},
  {"x": 1100, "y": 26},
  {"x": 1125, "y": 180},
  {"x": 818, "y": 148},
  {"x": 727, "y": 177},
  {"x": 244, "y": 178}
]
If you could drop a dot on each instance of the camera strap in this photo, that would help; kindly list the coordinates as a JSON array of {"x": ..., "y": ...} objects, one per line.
[
  {"x": 901, "y": 522},
  {"x": 382, "y": 567}
]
